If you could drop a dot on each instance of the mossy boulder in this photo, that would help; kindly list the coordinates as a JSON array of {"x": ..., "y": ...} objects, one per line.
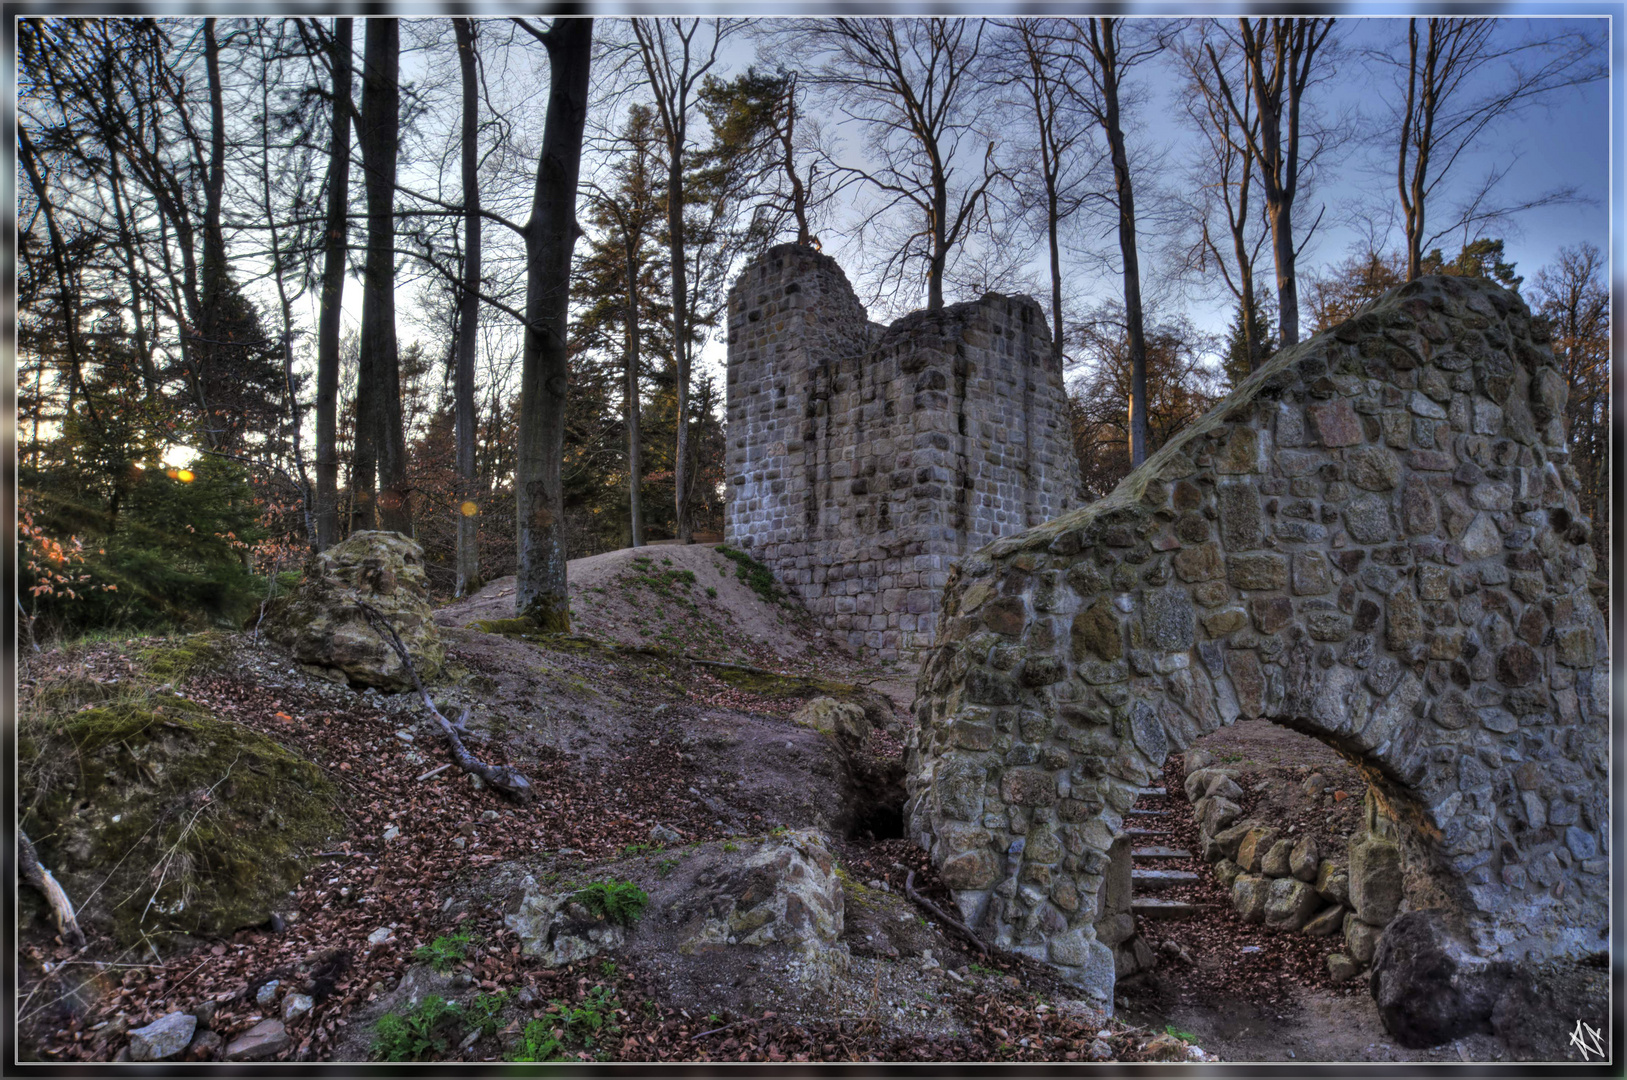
[
  {"x": 328, "y": 633},
  {"x": 159, "y": 817}
]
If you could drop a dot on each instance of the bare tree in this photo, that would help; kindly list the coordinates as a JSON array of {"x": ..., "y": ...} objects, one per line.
[
  {"x": 1572, "y": 297},
  {"x": 335, "y": 256},
  {"x": 674, "y": 64},
  {"x": 1103, "y": 58},
  {"x": 463, "y": 395},
  {"x": 1279, "y": 57},
  {"x": 1462, "y": 77},
  {"x": 540, "y": 590},
  {"x": 1031, "y": 60},
  {"x": 910, "y": 83},
  {"x": 1224, "y": 187}
]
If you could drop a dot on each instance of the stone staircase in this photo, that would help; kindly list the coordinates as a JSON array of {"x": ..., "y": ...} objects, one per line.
[{"x": 1157, "y": 865}]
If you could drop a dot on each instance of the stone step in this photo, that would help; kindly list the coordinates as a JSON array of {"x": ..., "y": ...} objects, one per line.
[
  {"x": 1159, "y": 852},
  {"x": 1157, "y": 878},
  {"x": 1147, "y": 907},
  {"x": 1136, "y": 812},
  {"x": 1145, "y": 834},
  {"x": 1155, "y": 791}
]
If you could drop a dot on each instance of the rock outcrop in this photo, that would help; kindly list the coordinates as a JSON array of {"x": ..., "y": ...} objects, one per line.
[
  {"x": 328, "y": 633},
  {"x": 1376, "y": 541}
]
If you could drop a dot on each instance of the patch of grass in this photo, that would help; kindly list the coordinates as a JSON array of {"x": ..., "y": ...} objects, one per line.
[
  {"x": 582, "y": 1024},
  {"x": 711, "y": 592},
  {"x": 485, "y": 1009},
  {"x": 640, "y": 849},
  {"x": 666, "y": 866},
  {"x": 759, "y": 577},
  {"x": 979, "y": 969},
  {"x": 607, "y": 968},
  {"x": 619, "y": 901},
  {"x": 729, "y": 845},
  {"x": 443, "y": 952},
  {"x": 1184, "y": 1036},
  {"x": 417, "y": 1034}
]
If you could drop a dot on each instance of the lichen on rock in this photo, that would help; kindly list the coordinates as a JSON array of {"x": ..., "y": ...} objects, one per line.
[{"x": 328, "y": 633}]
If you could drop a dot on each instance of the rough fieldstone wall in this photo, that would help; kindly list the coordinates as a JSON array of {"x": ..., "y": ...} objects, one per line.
[
  {"x": 863, "y": 460},
  {"x": 1375, "y": 541}
]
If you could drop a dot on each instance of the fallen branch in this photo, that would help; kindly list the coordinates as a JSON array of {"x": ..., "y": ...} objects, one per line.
[
  {"x": 954, "y": 924},
  {"x": 501, "y": 777},
  {"x": 725, "y": 1027},
  {"x": 28, "y": 865},
  {"x": 434, "y": 772}
]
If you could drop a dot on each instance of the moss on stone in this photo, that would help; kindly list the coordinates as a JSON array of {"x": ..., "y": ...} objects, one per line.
[
  {"x": 770, "y": 684},
  {"x": 551, "y": 614},
  {"x": 169, "y": 818},
  {"x": 177, "y": 660}
]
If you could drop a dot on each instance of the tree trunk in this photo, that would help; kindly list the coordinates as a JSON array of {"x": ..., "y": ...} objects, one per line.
[
  {"x": 540, "y": 590},
  {"x": 1281, "y": 214},
  {"x": 333, "y": 290},
  {"x": 1107, "y": 58},
  {"x": 214, "y": 240},
  {"x": 680, "y": 326},
  {"x": 468, "y": 550},
  {"x": 380, "y": 368},
  {"x": 634, "y": 479},
  {"x": 1051, "y": 228},
  {"x": 940, "y": 245}
]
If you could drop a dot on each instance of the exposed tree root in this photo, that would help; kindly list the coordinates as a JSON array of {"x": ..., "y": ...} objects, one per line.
[{"x": 28, "y": 865}]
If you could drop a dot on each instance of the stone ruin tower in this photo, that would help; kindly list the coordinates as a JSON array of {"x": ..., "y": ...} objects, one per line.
[
  {"x": 863, "y": 460},
  {"x": 1375, "y": 540}
]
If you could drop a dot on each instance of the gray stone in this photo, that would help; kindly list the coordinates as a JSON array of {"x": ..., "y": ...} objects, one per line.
[
  {"x": 1240, "y": 523},
  {"x": 1373, "y": 468},
  {"x": 266, "y": 1039},
  {"x": 295, "y": 1006},
  {"x": 1418, "y": 515},
  {"x": 1341, "y": 968},
  {"x": 1481, "y": 540},
  {"x": 1367, "y": 519},
  {"x": 1335, "y": 423},
  {"x": 1312, "y": 575},
  {"x": 1249, "y": 895},
  {"x": 1327, "y": 923},
  {"x": 1429, "y": 986},
  {"x": 163, "y": 1038},
  {"x": 1304, "y": 859},
  {"x": 1332, "y": 882},
  {"x": 1290, "y": 903},
  {"x": 1262, "y": 570},
  {"x": 1375, "y": 879},
  {"x": 321, "y": 624},
  {"x": 1166, "y": 619},
  {"x": 1274, "y": 863},
  {"x": 1360, "y": 938}
]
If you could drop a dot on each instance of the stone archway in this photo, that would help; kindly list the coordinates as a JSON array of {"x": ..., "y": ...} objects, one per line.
[{"x": 1376, "y": 541}]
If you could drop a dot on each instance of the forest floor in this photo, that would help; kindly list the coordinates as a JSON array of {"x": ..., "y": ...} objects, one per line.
[{"x": 621, "y": 729}]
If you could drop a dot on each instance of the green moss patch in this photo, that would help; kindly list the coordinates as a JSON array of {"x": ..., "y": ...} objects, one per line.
[
  {"x": 164, "y": 818},
  {"x": 175, "y": 661}
]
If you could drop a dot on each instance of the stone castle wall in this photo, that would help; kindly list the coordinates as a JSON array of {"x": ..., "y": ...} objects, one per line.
[
  {"x": 863, "y": 460},
  {"x": 1376, "y": 541}
]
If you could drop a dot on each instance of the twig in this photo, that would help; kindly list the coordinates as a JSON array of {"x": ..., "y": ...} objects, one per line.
[
  {"x": 346, "y": 854},
  {"x": 501, "y": 777},
  {"x": 434, "y": 772},
  {"x": 725, "y": 1027},
  {"x": 955, "y": 924},
  {"x": 28, "y": 865}
]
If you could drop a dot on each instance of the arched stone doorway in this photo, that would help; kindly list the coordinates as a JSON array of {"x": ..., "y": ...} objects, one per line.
[{"x": 1375, "y": 541}]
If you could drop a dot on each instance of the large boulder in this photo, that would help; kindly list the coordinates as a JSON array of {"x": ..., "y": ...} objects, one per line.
[
  {"x": 1429, "y": 986},
  {"x": 328, "y": 633},
  {"x": 1375, "y": 879},
  {"x": 156, "y": 815}
]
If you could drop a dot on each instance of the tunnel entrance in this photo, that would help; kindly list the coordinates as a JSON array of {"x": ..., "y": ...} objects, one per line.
[{"x": 1189, "y": 935}]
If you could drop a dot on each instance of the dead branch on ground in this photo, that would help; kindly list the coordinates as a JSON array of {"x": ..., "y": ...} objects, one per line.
[
  {"x": 501, "y": 777},
  {"x": 28, "y": 865}
]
